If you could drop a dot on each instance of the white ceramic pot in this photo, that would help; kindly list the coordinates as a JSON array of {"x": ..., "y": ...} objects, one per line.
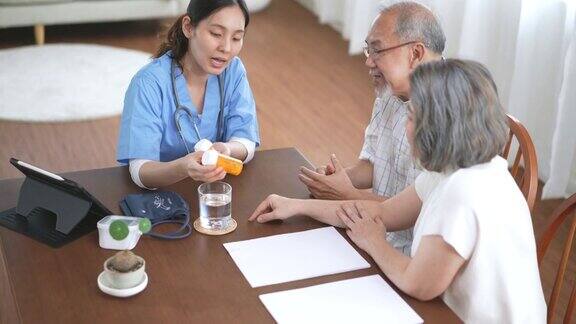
[
  {"x": 257, "y": 5},
  {"x": 123, "y": 280}
]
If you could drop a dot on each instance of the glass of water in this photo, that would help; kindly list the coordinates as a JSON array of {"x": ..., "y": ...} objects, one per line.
[{"x": 215, "y": 205}]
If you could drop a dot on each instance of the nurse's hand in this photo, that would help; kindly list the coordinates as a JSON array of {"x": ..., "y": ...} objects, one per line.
[
  {"x": 205, "y": 173},
  {"x": 222, "y": 148}
]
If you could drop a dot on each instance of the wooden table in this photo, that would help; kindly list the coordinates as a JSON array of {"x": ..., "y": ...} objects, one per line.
[{"x": 190, "y": 280}]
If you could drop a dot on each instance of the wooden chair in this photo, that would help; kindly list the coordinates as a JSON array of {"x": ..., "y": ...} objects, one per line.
[
  {"x": 527, "y": 179},
  {"x": 558, "y": 217}
]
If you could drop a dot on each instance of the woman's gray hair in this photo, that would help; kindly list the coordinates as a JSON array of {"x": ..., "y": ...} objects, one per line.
[{"x": 458, "y": 119}]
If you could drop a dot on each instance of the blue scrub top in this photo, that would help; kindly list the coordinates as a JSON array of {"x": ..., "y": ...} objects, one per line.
[{"x": 148, "y": 130}]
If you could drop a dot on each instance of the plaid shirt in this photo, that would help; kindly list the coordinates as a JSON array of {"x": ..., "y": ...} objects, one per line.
[{"x": 387, "y": 148}]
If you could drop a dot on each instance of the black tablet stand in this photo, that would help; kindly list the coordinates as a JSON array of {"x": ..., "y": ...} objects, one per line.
[{"x": 51, "y": 210}]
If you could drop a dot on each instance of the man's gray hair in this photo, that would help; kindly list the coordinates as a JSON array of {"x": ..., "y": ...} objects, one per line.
[
  {"x": 458, "y": 119},
  {"x": 415, "y": 22}
]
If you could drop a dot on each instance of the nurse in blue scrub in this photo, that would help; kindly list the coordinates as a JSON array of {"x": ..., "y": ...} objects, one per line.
[{"x": 195, "y": 88}]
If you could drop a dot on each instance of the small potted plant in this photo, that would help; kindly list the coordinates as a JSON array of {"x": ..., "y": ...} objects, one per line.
[{"x": 124, "y": 270}]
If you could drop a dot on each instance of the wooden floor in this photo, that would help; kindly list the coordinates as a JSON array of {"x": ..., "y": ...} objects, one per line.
[{"x": 310, "y": 94}]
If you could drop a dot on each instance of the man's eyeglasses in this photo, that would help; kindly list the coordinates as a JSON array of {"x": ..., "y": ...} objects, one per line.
[{"x": 370, "y": 51}]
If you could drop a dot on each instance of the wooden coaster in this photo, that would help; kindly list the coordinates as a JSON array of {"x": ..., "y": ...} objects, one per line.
[{"x": 231, "y": 227}]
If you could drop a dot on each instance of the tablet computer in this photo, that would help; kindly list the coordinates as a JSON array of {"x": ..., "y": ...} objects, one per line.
[{"x": 59, "y": 182}]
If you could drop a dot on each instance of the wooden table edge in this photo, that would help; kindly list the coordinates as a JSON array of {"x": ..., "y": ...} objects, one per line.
[{"x": 9, "y": 311}]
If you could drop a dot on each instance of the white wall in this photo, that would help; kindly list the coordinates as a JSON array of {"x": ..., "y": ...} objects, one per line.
[{"x": 309, "y": 4}]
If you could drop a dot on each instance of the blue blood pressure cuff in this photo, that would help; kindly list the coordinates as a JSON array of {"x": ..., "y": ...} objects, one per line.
[{"x": 160, "y": 207}]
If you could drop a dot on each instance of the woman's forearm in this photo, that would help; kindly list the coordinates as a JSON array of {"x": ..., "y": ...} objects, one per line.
[
  {"x": 237, "y": 150},
  {"x": 160, "y": 174},
  {"x": 400, "y": 212},
  {"x": 425, "y": 276},
  {"x": 392, "y": 215},
  {"x": 392, "y": 263},
  {"x": 321, "y": 210},
  {"x": 369, "y": 195}
]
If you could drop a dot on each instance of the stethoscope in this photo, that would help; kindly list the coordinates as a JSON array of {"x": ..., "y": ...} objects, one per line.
[
  {"x": 185, "y": 228},
  {"x": 183, "y": 110}
]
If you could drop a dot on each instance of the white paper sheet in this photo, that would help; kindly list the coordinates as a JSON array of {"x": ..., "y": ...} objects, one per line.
[
  {"x": 360, "y": 300},
  {"x": 294, "y": 256}
]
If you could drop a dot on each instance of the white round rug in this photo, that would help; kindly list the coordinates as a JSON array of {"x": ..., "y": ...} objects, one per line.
[{"x": 65, "y": 82}]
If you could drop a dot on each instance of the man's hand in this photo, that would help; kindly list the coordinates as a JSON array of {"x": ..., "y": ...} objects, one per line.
[
  {"x": 274, "y": 207},
  {"x": 366, "y": 230},
  {"x": 329, "y": 182},
  {"x": 326, "y": 169}
]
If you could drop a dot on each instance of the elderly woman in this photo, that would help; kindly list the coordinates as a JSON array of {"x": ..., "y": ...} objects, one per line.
[{"x": 473, "y": 237}]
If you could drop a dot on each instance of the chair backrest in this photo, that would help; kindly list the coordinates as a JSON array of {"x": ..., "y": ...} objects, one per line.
[
  {"x": 558, "y": 217},
  {"x": 527, "y": 179}
]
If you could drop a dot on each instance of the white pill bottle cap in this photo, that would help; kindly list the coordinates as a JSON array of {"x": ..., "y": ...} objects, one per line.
[
  {"x": 202, "y": 145},
  {"x": 210, "y": 157}
]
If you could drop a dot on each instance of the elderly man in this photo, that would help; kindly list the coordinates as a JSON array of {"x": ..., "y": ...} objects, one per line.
[{"x": 403, "y": 36}]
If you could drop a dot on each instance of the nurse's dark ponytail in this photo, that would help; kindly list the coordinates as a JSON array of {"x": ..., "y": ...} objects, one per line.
[
  {"x": 198, "y": 10},
  {"x": 175, "y": 40}
]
